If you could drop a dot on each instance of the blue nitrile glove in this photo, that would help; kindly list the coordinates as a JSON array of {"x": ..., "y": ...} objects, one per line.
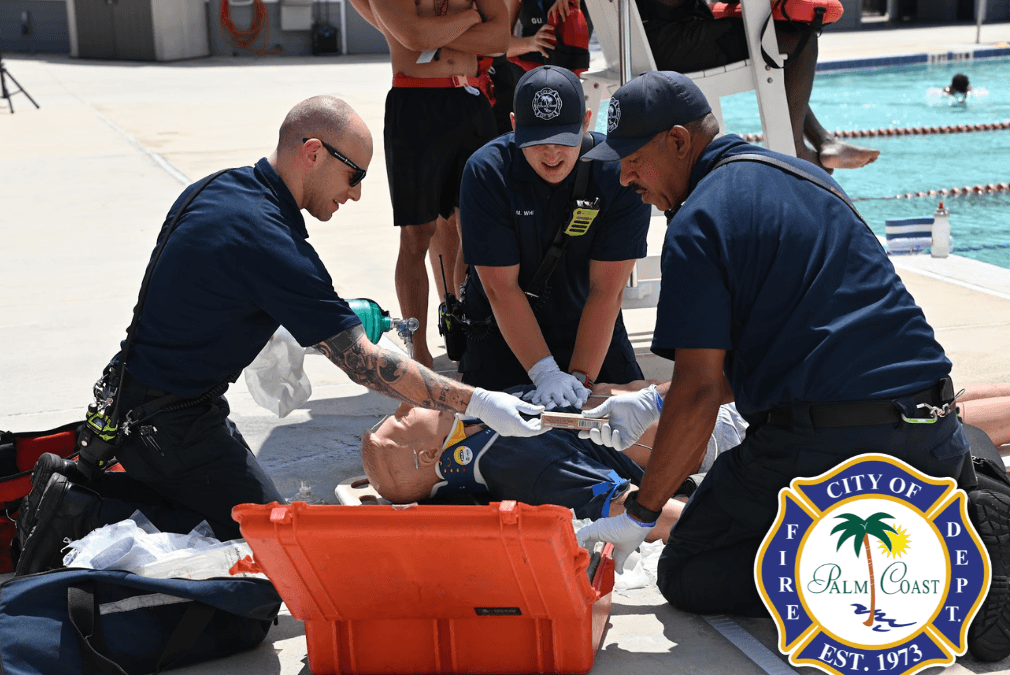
[
  {"x": 623, "y": 531},
  {"x": 556, "y": 389},
  {"x": 630, "y": 415},
  {"x": 501, "y": 412}
]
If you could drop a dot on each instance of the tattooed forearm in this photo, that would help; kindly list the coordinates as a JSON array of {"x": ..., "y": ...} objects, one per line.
[{"x": 392, "y": 374}]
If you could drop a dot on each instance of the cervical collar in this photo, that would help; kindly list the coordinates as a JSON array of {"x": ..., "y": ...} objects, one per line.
[{"x": 458, "y": 466}]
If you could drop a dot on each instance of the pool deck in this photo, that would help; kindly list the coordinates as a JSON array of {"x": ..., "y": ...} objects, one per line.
[
  {"x": 888, "y": 42},
  {"x": 85, "y": 182}
]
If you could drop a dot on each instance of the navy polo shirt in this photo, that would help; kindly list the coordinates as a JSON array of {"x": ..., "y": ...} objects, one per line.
[
  {"x": 238, "y": 266},
  {"x": 510, "y": 215},
  {"x": 782, "y": 275}
]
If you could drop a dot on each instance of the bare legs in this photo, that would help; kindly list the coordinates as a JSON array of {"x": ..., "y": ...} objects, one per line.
[
  {"x": 439, "y": 237},
  {"x": 827, "y": 152},
  {"x": 460, "y": 273},
  {"x": 445, "y": 243},
  {"x": 412, "y": 283}
]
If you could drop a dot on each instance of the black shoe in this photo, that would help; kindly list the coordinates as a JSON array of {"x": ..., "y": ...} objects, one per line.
[
  {"x": 50, "y": 463},
  {"x": 989, "y": 634},
  {"x": 66, "y": 513},
  {"x": 47, "y": 465}
]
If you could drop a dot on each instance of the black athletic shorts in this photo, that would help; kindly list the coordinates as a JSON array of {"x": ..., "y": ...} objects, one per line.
[
  {"x": 688, "y": 41},
  {"x": 429, "y": 134}
]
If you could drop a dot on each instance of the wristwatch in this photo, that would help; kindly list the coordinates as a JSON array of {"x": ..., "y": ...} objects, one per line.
[
  {"x": 583, "y": 379},
  {"x": 639, "y": 512}
]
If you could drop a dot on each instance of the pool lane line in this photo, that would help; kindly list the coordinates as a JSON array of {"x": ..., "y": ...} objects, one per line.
[
  {"x": 967, "y": 190},
  {"x": 904, "y": 131}
]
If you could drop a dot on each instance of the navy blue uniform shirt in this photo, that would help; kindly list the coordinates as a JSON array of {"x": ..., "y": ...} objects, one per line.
[
  {"x": 782, "y": 275},
  {"x": 509, "y": 216},
  {"x": 238, "y": 266}
]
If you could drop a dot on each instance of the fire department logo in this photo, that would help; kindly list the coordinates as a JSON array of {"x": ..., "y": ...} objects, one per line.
[
  {"x": 872, "y": 567},
  {"x": 547, "y": 103},
  {"x": 613, "y": 115}
]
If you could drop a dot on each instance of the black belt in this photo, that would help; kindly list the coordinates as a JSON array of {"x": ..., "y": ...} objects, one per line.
[
  {"x": 165, "y": 401},
  {"x": 861, "y": 413}
]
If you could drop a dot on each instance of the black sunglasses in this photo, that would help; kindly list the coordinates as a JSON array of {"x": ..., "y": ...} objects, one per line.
[{"x": 359, "y": 173}]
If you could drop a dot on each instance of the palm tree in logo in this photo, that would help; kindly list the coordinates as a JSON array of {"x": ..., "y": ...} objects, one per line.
[{"x": 860, "y": 530}]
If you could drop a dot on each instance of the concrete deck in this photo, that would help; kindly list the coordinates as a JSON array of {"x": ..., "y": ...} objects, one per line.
[{"x": 85, "y": 183}]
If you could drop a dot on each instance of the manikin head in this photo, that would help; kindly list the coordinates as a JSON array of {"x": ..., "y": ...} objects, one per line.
[
  {"x": 401, "y": 452},
  {"x": 550, "y": 119},
  {"x": 322, "y": 150},
  {"x": 657, "y": 126}
]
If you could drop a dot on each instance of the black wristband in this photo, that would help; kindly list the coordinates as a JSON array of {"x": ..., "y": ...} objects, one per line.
[{"x": 639, "y": 512}]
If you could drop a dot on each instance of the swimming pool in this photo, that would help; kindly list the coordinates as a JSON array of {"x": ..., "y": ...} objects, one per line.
[{"x": 908, "y": 96}]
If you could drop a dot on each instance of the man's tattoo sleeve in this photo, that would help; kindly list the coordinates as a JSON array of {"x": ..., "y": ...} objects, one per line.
[{"x": 392, "y": 374}]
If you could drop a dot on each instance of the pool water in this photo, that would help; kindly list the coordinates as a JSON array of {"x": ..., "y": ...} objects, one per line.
[{"x": 909, "y": 96}]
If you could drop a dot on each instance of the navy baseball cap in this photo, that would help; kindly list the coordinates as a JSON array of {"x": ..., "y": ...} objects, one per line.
[
  {"x": 650, "y": 103},
  {"x": 550, "y": 108}
]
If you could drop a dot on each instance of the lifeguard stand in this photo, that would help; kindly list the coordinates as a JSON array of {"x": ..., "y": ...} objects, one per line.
[
  {"x": 625, "y": 47},
  {"x": 632, "y": 56}
]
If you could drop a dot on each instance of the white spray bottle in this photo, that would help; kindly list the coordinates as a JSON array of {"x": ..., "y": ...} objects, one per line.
[{"x": 940, "y": 247}]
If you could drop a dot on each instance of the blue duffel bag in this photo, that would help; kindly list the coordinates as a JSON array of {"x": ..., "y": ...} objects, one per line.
[{"x": 72, "y": 621}]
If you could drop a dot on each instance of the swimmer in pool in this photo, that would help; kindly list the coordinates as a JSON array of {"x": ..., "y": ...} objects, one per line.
[{"x": 958, "y": 87}]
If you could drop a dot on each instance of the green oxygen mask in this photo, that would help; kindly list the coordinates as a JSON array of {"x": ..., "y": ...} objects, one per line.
[{"x": 377, "y": 321}]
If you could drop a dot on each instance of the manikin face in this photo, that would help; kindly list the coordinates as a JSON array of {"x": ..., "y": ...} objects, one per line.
[
  {"x": 419, "y": 427},
  {"x": 328, "y": 184},
  {"x": 402, "y": 468}
]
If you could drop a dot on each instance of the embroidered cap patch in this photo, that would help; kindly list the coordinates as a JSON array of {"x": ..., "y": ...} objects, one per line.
[
  {"x": 547, "y": 103},
  {"x": 613, "y": 115}
]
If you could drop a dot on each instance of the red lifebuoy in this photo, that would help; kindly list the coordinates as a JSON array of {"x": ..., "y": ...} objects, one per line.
[{"x": 803, "y": 11}]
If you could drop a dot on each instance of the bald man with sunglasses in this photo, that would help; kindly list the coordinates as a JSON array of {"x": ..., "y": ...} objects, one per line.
[{"x": 237, "y": 266}]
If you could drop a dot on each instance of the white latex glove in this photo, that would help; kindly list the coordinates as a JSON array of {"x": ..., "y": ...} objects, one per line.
[
  {"x": 500, "y": 411},
  {"x": 630, "y": 415},
  {"x": 555, "y": 387},
  {"x": 623, "y": 531}
]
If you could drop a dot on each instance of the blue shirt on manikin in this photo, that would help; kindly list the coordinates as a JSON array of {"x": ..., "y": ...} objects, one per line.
[
  {"x": 238, "y": 266},
  {"x": 557, "y": 467},
  {"x": 782, "y": 275}
]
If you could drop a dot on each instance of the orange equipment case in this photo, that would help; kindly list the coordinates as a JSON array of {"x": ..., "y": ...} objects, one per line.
[{"x": 434, "y": 589}]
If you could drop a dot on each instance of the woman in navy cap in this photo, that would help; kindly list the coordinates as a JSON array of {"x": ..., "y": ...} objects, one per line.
[{"x": 517, "y": 193}]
